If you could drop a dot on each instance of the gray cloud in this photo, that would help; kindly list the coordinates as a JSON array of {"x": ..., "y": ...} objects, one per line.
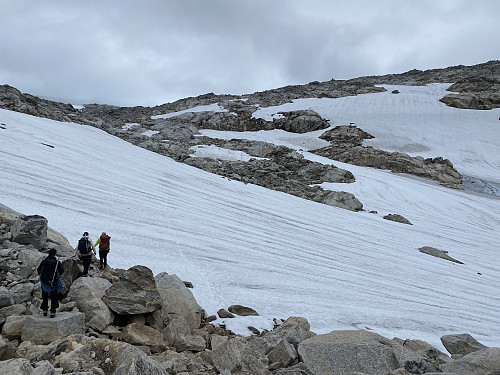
[{"x": 151, "y": 52}]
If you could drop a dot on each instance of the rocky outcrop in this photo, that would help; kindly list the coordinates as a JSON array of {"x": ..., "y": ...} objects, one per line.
[
  {"x": 14, "y": 100},
  {"x": 346, "y": 147},
  {"x": 282, "y": 169},
  {"x": 477, "y": 92}
]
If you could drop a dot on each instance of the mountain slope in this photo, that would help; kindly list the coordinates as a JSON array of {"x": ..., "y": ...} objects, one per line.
[{"x": 243, "y": 244}]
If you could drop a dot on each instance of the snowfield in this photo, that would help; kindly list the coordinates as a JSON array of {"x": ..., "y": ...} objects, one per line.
[{"x": 279, "y": 254}]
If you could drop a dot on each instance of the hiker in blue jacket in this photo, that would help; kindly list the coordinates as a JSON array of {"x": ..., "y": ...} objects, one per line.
[{"x": 50, "y": 270}]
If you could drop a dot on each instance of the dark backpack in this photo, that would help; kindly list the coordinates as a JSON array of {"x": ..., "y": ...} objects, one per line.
[
  {"x": 104, "y": 244},
  {"x": 84, "y": 245}
]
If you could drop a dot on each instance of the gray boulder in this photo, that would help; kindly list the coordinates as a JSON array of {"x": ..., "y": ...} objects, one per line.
[
  {"x": 343, "y": 199},
  {"x": 481, "y": 362},
  {"x": 438, "y": 254},
  {"x": 135, "y": 293},
  {"x": 302, "y": 121},
  {"x": 19, "y": 366},
  {"x": 43, "y": 330},
  {"x": 44, "y": 368},
  {"x": 13, "y": 327},
  {"x": 178, "y": 300},
  {"x": 462, "y": 344},
  {"x": 30, "y": 230},
  {"x": 236, "y": 355},
  {"x": 178, "y": 335},
  {"x": 21, "y": 292},
  {"x": 345, "y": 352},
  {"x": 30, "y": 257},
  {"x": 5, "y": 297},
  {"x": 397, "y": 218},
  {"x": 7, "y": 311},
  {"x": 87, "y": 292},
  {"x": 242, "y": 310},
  {"x": 139, "y": 334},
  {"x": 284, "y": 354},
  {"x": 223, "y": 313}
]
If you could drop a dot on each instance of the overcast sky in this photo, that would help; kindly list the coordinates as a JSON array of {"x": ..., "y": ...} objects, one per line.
[{"x": 151, "y": 52}]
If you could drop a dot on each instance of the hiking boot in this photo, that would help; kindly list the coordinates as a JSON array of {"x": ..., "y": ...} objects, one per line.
[
  {"x": 85, "y": 275},
  {"x": 52, "y": 314},
  {"x": 45, "y": 313}
]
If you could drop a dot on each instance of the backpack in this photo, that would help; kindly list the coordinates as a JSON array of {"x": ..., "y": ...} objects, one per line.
[
  {"x": 104, "y": 244},
  {"x": 84, "y": 245}
]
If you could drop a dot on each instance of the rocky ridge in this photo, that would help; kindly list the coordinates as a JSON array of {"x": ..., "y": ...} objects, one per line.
[
  {"x": 132, "y": 322},
  {"x": 274, "y": 167}
]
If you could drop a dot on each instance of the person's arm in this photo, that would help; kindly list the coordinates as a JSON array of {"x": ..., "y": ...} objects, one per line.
[
  {"x": 60, "y": 268},
  {"x": 92, "y": 246},
  {"x": 97, "y": 242},
  {"x": 39, "y": 269}
]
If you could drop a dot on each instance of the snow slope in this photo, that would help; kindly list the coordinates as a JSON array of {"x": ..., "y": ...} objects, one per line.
[{"x": 282, "y": 255}]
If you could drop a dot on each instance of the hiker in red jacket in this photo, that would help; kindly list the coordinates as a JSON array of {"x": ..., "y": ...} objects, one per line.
[{"x": 103, "y": 242}]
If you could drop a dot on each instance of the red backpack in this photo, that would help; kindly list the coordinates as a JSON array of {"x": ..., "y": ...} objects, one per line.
[{"x": 104, "y": 244}]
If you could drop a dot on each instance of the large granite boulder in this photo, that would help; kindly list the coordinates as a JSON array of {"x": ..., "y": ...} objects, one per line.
[
  {"x": 135, "y": 293},
  {"x": 302, "y": 121},
  {"x": 178, "y": 300},
  {"x": 342, "y": 199},
  {"x": 5, "y": 297},
  {"x": 87, "y": 292},
  {"x": 30, "y": 230},
  {"x": 346, "y": 352},
  {"x": 177, "y": 334},
  {"x": 139, "y": 334},
  {"x": 481, "y": 362},
  {"x": 13, "y": 327},
  {"x": 21, "y": 292},
  {"x": 43, "y": 330},
  {"x": 71, "y": 271},
  {"x": 18, "y": 366},
  {"x": 30, "y": 257},
  {"x": 462, "y": 344},
  {"x": 5, "y": 312}
]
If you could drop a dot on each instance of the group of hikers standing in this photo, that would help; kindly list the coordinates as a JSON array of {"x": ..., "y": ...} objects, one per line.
[{"x": 50, "y": 269}]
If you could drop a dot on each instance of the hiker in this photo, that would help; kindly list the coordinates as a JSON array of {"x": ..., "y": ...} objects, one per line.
[
  {"x": 85, "y": 249},
  {"x": 50, "y": 270},
  {"x": 103, "y": 242}
]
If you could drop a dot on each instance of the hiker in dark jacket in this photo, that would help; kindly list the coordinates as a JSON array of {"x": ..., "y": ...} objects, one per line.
[
  {"x": 104, "y": 247},
  {"x": 85, "y": 248},
  {"x": 50, "y": 270}
]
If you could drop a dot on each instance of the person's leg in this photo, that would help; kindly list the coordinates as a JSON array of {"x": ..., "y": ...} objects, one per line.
[
  {"x": 86, "y": 264},
  {"x": 105, "y": 258},
  {"x": 45, "y": 302},
  {"x": 54, "y": 303},
  {"x": 102, "y": 259}
]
